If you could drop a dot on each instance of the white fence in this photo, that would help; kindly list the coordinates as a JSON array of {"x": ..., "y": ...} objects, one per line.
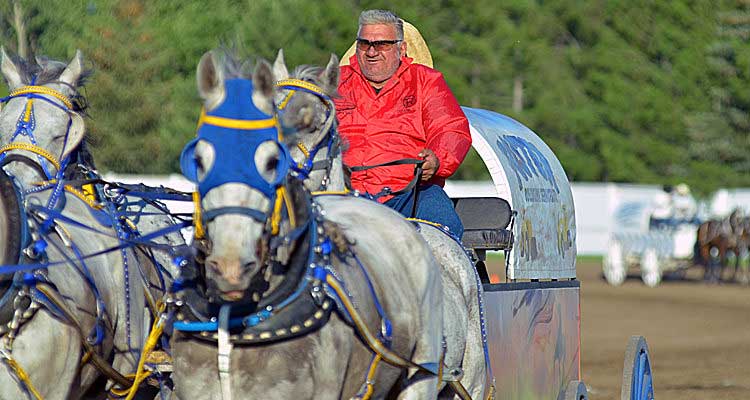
[{"x": 595, "y": 203}]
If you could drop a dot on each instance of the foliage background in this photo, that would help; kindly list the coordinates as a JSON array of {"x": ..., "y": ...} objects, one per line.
[{"x": 622, "y": 90}]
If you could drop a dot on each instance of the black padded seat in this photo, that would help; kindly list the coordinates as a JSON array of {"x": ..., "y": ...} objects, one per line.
[{"x": 485, "y": 221}]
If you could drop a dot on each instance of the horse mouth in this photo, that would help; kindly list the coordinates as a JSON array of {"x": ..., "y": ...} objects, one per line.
[{"x": 232, "y": 295}]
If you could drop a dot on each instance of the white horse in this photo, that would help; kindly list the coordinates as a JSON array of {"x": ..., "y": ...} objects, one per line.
[
  {"x": 79, "y": 306},
  {"x": 307, "y": 109},
  {"x": 275, "y": 259}
]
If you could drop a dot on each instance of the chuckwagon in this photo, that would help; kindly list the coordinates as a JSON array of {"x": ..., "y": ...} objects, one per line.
[{"x": 533, "y": 317}]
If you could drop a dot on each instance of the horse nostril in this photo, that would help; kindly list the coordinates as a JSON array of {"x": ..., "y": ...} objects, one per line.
[
  {"x": 249, "y": 266},
  {"x": 214, "y": 266}
]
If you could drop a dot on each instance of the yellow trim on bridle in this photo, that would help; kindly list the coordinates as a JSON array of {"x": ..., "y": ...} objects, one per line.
[
  {"x": 301, "y": 146},
  {"x": 301, "y": 84},
  {"x": 286, "y": 99},
  {"x": 243, "y": 124},
  {"x": 290, "y": 210},
  {"x": 32, "y": 148},
  {"x": 199, "y": 232},
  {"x": 88, "y": 198},
  {"x": 81, "y": 195},
  {"x": 281, "y": 196},
  {"x": 43, "y": 90},
  {"x": 29, "y": 108}
]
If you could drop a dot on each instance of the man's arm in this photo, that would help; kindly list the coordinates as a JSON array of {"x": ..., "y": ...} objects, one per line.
[{"x": 446, "y": 126}]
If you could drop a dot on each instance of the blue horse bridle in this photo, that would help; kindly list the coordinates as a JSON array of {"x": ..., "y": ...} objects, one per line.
[
  {"x": 26, "y": 125},
  {"x": 304, "y": 168},
  {"x": 235, "y": 129}
]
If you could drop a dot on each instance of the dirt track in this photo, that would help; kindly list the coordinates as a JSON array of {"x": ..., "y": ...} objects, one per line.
[{"x": 698, "y": 335}]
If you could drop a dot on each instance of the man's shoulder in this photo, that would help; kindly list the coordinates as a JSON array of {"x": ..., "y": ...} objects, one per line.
[
  {"x": 346, "y": 73},
  {"x": 423, "y": 70}
]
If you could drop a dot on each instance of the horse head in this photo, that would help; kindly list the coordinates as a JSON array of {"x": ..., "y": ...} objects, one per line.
[
  {"x": 41, "y": 126},
  {"x": 305, "y": 106},
  {"x": 239, "y": 164}
]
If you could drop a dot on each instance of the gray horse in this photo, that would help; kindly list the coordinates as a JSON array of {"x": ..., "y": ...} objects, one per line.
[
  {"x": 309, "y": 111},
  {"x": 79, "y": 307},
  {"x": 343, "y": 249}
]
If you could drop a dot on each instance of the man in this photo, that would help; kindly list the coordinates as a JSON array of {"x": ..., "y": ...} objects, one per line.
[
  {"x": 662, "y": 210},
  {"x": 392, "y": 109}
]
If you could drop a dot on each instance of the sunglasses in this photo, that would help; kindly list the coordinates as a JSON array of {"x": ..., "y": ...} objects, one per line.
[{"x": 379, "y": 45}]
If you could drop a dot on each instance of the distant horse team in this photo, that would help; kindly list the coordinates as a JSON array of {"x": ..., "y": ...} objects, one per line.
[
  {"x": 723, "y": 244},
  {"x": 282, "y": 294}
]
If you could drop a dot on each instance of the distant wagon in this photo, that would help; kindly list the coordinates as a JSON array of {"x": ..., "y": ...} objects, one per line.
[{"x": 656, "y": 251}]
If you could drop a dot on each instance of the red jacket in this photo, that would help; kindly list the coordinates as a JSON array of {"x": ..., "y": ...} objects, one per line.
[{"x": 413, "y": 111}]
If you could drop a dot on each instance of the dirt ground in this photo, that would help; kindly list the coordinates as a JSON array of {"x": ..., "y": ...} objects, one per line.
[{"x": 698, "y": 335}]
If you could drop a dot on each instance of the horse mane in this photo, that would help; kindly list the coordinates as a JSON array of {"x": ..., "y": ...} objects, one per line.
[
  {"x": 234, "y": 64},
  {"x": 312, "y": 74},
  {"x": 43, "y": 70}
]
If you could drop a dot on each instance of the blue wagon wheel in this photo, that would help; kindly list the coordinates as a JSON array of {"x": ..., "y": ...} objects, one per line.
[
  {"x": 637, "y": 383},
  {"x": 576, "y": 390}
]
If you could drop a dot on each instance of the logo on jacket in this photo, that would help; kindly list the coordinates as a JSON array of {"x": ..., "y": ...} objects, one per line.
[{"x": 409, "y": 101}]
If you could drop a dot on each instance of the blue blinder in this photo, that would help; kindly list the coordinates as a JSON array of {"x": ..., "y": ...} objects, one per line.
[{"x": 235, "y": 130}]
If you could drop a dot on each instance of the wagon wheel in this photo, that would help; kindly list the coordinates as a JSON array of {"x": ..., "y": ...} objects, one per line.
[
  {"x": 637, "y": 383},
  {"x": 614, "y": 267},
  {"x": 650, "y": 272},
  {"x": 576, "y": 390}
]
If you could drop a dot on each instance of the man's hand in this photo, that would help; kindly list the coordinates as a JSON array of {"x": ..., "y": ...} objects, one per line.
[{"x": 431, "y": 164}]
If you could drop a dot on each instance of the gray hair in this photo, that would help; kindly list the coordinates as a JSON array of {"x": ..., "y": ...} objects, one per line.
[{"x": 382, "y": 17}]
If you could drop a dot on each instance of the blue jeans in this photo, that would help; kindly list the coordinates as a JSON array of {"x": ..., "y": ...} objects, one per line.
[{"x": 433, "y": 204}]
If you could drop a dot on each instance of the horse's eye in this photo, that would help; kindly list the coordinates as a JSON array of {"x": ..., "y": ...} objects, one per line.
[
  {"x": 271, "y": 164},
  {"x": 199, "y": 163}
]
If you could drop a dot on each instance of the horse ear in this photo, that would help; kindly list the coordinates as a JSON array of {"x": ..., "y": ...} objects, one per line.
[
  {"x": 279, "y": 67},
  {"x": 10, "y": 71},
  {"x": 210, "y": 77},
  {"x": 75, "y": 134},
  {"x": 330, "y": 77},
  {"x": 264, "y": 87},
  {"x": 74, "y": 70}
]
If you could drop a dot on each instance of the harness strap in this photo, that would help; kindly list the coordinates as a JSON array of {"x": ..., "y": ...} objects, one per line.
[
  {"x": 200, "y": 231},
  {"x": 257, "y": 215},
  {"x": 101, "y": 364},
  {"x": 375, "y": 345},
  {"x": 124, "y": 244},
  {"x": 409, "y": 187},
  {"x": 20, "y": 373},
  {"x": 31, "y": 148},
  {"x": 225, "y": 350}
]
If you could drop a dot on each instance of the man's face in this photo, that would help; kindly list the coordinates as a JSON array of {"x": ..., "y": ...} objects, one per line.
[{"x": 379, "y": 65}]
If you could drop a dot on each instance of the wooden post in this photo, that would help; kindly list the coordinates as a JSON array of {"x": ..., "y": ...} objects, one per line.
[{"x": 20, "y": 25}]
